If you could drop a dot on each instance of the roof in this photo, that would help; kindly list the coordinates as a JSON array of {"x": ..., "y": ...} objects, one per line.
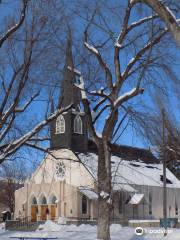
[
  {"x": 123, "y": 187},
  {"x": 136, "y": 198},
  {"x": 126, "y": 174},
  {"x": 127, "y": 152},
  {"x": 88, "y": 193}
]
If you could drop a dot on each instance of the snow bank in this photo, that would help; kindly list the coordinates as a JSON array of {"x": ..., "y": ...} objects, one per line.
[
  {"x": 62, "y": 220},
  {"x": 50, "y": 226},
  {"x": 2, "y": 227},
  {"x": 144, "y": 221},
  {"x": 115, "y": 228}
]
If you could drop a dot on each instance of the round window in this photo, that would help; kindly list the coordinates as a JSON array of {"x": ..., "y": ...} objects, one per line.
[{"x": 60, "y": 169}]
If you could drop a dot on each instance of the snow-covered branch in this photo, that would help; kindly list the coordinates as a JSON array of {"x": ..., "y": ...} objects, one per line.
[
  {"x": 16, "y": 26},
  {"x": 8, "y": 89},
  {"x": 128, "y": 95},
  {"x": 102, "y": 63},
  {"x": 14, "y": 145},
  {"x": 23, "y": 108},
  {"x": 141, "y": 21},
  {"x": 141, "y": 52},
  {"x": 96, "y": 115},
  {"x": 166, "y": 15}
]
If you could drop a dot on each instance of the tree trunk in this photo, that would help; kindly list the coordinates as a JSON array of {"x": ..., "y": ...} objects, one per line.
[{"x": 104, "y": 191}]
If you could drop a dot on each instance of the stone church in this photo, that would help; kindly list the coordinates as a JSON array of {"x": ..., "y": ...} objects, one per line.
[{"x": 65, "y": 183}]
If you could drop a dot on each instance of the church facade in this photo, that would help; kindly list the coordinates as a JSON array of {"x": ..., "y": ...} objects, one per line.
[{"x": 65, "y": 183}]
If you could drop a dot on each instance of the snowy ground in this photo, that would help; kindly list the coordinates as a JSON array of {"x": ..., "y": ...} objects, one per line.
[{"x": 87, "y": 232}]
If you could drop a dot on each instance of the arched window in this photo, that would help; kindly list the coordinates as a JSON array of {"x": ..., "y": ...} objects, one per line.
[
  {"x": 34, "y": 201},
  {"x": 44, "y": 201},
  {"x": 84, "y": 204},
  {"x": 60, "y": 125},
  {"x": 53, "y": 199},
  {"x": 78, "y": 124}
]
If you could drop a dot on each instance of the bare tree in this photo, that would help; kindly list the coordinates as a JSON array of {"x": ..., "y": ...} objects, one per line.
[
  {"x": 13, "y": 175},
  {"x": 112, "y": 95},
  {"x": 164, "y": 12},
  {"x": 151, "y": 130},
  {"x": 23, "y": 46}
]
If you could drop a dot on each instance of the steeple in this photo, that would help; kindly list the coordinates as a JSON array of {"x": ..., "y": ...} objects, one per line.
[
  {"x": 69, "y": 93},
  {"x": 69, "y": 130}
]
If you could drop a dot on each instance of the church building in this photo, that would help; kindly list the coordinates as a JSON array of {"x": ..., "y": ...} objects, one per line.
[{"x": 65, "y": 183}]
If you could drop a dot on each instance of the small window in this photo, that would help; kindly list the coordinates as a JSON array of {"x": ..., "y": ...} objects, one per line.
[
  {"x": 78, "y": 124},
  {"x": 60, "y": 125},
  {"x": 44, "y": 201},
  {"x": 150, "y": 203},
  {"x": 84, "y": 204},
  {"x": 176, "y": 207}
]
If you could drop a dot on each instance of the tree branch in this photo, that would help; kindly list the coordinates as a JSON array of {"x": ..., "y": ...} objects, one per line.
[
  {"x": 16, "y": 144},
  {"x": 22, "y": 109},
  {"x": 141, "y": 52},
  {"x": 17, "y": 25},
  {"x": 103, "y": 65},
  {"x": 166, "y": 15}
]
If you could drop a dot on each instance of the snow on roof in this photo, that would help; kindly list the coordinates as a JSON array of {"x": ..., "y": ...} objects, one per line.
[
  {"x": 131, "y": 172},
  {"x": 4, "y": 211},
  {"x": 136, "y": 198},
  {"x": 123, "y": 187},
  {"x": 88, "y": 192}
]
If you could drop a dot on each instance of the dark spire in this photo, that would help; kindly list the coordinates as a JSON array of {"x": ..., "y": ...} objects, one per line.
[
  {"x": 69, "y": 93},
  {"x": 69, "y": 137}
]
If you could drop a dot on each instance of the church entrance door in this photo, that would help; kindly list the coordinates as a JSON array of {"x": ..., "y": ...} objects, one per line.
[
  {"x": 44, "y": 209},
  {"x": 34, "y": 210},
  {"x": 53, "y": 212}
]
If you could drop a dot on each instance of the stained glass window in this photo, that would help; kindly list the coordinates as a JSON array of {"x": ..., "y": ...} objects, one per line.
[
  {"x": 60, "y": 125},
  {"x": 78, "y": 124}
]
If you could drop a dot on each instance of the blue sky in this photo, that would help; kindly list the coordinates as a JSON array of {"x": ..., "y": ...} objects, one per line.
[{"x": 37, "y": 109}]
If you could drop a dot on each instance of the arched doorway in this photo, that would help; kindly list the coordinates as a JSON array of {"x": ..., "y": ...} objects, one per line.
[
  {"x": 44, "y": 208},
  {"x": 53, "y": 203},
  {"x": 34, "y": 209}
]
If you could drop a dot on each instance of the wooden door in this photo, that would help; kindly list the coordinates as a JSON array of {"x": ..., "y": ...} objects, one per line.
[
  {"x": 44, "y": 212},
  {"x": 53, "y": 212},
  {"x": 34, "y": 210}
]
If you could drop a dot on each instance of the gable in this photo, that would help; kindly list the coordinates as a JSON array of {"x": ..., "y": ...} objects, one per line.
[{"x": 64, "y": 166}]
